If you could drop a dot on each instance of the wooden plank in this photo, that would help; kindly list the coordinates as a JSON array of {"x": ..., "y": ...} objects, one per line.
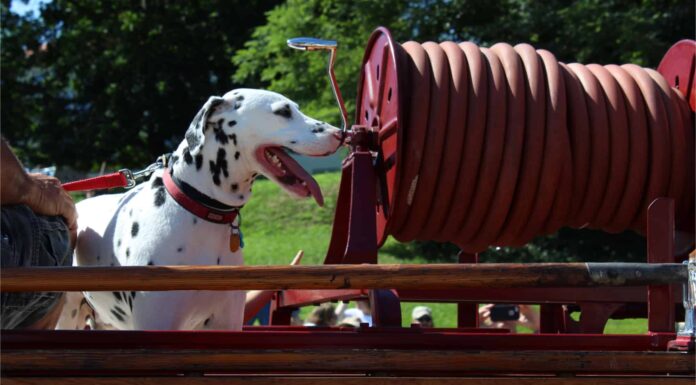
[
  {"x": 431, "y": 276},
  {"x": 346, "y": 361},
  {"x": 347, "y": 380}
]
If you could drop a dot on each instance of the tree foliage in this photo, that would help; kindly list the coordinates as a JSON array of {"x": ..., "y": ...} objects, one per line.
[
  {"x": 116, "y": 81},
  {"x": 612, "y": 31}
]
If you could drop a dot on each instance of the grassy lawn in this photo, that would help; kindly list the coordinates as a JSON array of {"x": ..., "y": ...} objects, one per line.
[{"x": 276, "y": 226}]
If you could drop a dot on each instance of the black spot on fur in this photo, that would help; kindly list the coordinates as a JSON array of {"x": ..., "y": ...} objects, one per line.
[
  {"x": 218, "y": 260},
  {"x": 233, "y": 137},
  {"x": 234, "y": 187},
  {"x": 239, "y": 97},
  {"x": 117, "y": 295},
  {"x": 220, "y": 165},
  {"x": 118, "y": 243},
  {"x": 284, "y": 111},
  {"x": 98, "y": 258},
  {"x": 180, "y": 249},
  {"x": 157, "y": 182},
  {"x": 73, "y": 313},
  {"x": 237, "y": 155},
  {"x": 207, "y": 321},
  {"x": 160, "y": 196},
  {"x": 232, "y": 123},
  {"x": 254, "y": 175},
  {"x": 241, "y": 197},
  {"x": 195, "y": 220},
  {"x": 199, "y": 161},
  {"x": 175, "y": 158},
  {"x": 220, "y": 134},
  {"x": 127, "y": 253},
  {"x": 112, "y": 264},
  {"x": 130, "y": 212},
  {"x": 293, "y": 142},
  {"x": 187, "y": 156},
  {"x": 134, "y": 229},
  {"x": 117, "y": 315},
  {"x": 317, "y": 130},
  {"x": 237, "y": 105},
  {"x": 133, "y": 294},
  {"x": 118, "y": 309},
  {"x": 150, "y": 263}
]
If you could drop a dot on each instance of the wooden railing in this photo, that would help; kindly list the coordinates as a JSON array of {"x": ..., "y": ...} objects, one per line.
[{"x": 437, "y": 276}]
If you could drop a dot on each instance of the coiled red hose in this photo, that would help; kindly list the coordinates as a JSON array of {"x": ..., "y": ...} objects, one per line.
[{"x": 494, "y": 146}]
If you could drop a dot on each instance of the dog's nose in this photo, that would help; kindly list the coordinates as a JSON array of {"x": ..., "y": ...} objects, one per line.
[{"x": 340, "y": 136}]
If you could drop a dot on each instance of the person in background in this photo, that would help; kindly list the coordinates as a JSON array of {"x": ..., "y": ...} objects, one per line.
[
  {"x": 38, "y": 227},
  {"x": 351, "y": 322},
  {"x": 323, "y": 315},
  {"x": 362, "y": 311},
  {"x": 526, "y": 316},
  {"x": 423, "y": 316}
]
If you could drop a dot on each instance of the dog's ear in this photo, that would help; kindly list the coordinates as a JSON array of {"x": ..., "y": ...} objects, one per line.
[{"x": 195, "y": 135}]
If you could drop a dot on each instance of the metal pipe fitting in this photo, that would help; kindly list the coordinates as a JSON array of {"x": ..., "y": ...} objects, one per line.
[{"x": 313, "y": 44}]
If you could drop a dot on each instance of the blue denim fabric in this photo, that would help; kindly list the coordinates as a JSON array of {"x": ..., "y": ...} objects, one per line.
[{"x": 30, "y": 240}]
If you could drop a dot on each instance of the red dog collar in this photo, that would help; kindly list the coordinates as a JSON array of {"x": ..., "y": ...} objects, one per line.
[{"x": 195, "y": 207}]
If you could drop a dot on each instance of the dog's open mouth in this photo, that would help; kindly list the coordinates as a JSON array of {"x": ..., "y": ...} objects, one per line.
[{"x": 288, "y": 173}]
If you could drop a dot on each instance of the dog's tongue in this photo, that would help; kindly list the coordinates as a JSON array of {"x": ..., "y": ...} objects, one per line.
[{"x": 300, "y": 173}]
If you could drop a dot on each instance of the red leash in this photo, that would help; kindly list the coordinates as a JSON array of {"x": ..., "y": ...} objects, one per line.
[{"x": 123, "y": 178}]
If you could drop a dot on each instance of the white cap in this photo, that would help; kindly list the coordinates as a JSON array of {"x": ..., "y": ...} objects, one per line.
[{"x": 420, "y": 311}]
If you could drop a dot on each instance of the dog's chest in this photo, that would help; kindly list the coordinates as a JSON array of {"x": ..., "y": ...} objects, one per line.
[
  {"x": 167, "y": 234},
  {"x": 150, "y": 230}
]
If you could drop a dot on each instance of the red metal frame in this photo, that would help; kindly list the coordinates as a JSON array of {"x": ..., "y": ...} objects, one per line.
[{"x": 295, "y": 337}]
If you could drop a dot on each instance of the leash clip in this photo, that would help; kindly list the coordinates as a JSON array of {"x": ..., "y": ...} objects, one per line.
[
  {"x": 133, "y": 177},
  {"x": 130, "y": 178}
]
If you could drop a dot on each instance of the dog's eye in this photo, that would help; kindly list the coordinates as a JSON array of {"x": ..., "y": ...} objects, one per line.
[{"x": 284, "y": 111}]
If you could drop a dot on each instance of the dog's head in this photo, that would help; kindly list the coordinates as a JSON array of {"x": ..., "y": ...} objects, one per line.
[{"x": 246, "y": 132}]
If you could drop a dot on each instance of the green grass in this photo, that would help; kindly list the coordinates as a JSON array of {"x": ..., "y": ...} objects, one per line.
[{"x": 276, "y": 226}]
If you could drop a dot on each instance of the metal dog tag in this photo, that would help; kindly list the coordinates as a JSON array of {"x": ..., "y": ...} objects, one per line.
[{"x": 235, "y": 240}]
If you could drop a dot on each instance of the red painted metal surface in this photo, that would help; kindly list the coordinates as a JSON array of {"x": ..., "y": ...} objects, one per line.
[
  {"x": 379, "y": 107},
  {"x": 315, "y": 338},
  {"x": 678, "y": 66},
  {"x": 354, "y": 234},
  {"x": 660, "y": 249},
  {"x": 467, "y": 313}
]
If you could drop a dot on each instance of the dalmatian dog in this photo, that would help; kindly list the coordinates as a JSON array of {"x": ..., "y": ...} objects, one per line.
[{"x": 232, "y": 140}]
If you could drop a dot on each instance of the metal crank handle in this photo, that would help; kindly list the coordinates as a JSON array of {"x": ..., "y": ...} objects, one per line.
[{"x": 313, "y": 44}]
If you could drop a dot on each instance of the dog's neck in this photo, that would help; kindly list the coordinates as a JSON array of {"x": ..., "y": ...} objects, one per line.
[{"x": 224, "y": 177}]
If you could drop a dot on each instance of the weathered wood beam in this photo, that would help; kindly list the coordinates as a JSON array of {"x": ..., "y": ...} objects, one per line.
[{"x": 431, "y": 276}]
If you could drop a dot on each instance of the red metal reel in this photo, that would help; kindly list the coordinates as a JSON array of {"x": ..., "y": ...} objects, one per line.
[
  {"x": 378, "y": 107},
  {"x": 678, "y": 66}
]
